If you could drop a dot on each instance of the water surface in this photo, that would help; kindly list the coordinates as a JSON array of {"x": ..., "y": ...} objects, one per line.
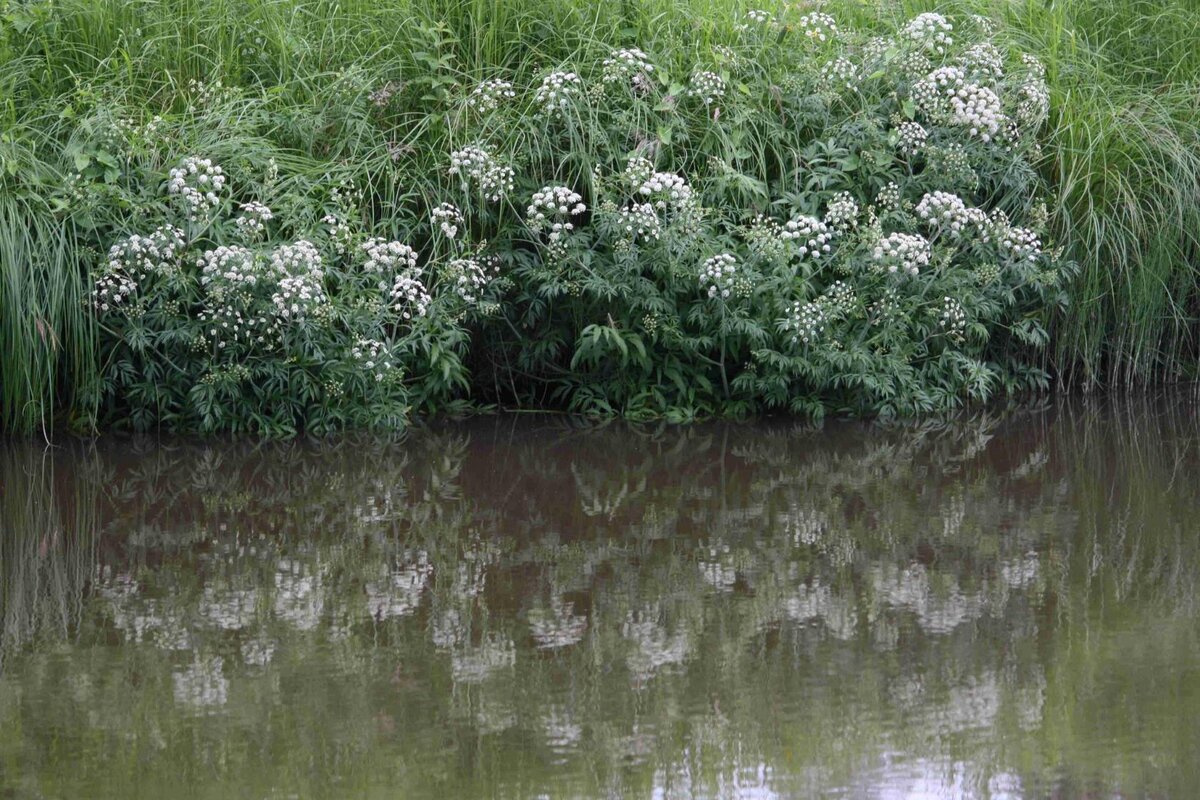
[{"x": 1001, "y": 605}]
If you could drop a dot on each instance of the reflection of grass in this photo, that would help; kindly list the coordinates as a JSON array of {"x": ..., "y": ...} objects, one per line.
[{"x": 48, "y": 519}]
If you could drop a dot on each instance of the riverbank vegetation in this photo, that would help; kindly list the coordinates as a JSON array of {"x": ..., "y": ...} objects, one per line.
[{"x": 284, "y": 216}]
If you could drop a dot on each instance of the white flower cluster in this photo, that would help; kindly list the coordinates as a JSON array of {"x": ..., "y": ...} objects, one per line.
[
  {"x": 447, "y": 218},
  {"x": 228, "y": 323},
  {"x": 142, "y": 256},
  {"x": 912, "y": 138},
  {"x": 806, "y": 321},
  {"x": 476, "y": 164},
  {"x": 551, "y": 209},
  {"x": 629, "y": 66},
  {"x": 812, "y": 234},
  {"x": 252, "y": 222},
  {"x": 469, "y": 277},
  {"x": 1019, "y": 244},
  {"x": 637, "y": 171},
  {"x": 408, "y": 296},
  {"x": 979, "y": 110},
  {"x": 985, "y": 60},
  {"x": 933, "y": 91},
  {"x": 1033, "y": 105},
  {"x": 756, "y": 17},
  {"x": 840, "y": 299},
  {"x": 557, "y": 91},
  {"x": 708, "y": 86},
  {"x": 640, "y": 222},
  {"x": 387, "y": 257},
  {"x": 947, "y": 212},
  {"x": 298, "y": 296},
  {"x": 199, "y": 182},
  {"x": 489, "y": 95},
  {"x": 299, "y": 259},
  {"x": 953, "y": 318},
  {"x": 818, "y": 26},
  {"x": 229, "y": 269},
  {"x": 340, "y": 232},
  {"x": 373, "y": 356},
  {"x": 666, "y": 190},
  {"x": 842, "y": 212},
  {"x": 902, "y": 252},
  {"x": 889, "y": 196},
  {"x": 840, "y": 73},
  {"x": 929, "y": 31},
  {"x": 718, "y": 275},
  {"x": 112, "y": 291}
]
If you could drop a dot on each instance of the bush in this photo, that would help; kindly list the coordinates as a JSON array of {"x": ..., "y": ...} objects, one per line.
[{"x": 799, "y": 217}]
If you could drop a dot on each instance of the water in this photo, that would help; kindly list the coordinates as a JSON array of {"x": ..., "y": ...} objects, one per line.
[{"x": 997, "y": 606}]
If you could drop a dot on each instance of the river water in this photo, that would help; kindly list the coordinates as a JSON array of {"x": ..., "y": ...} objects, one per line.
[{"x": 997, "y": 605}]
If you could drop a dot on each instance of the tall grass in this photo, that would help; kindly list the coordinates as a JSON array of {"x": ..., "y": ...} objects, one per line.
[{"x": 1123, "y": 154}]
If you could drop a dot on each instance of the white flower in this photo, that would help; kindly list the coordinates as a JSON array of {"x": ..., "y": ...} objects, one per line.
[
  {"x": 811, "y": 235},
  {"x": 550, "y": 210},
  {"x": 840, "y": 73},
  {"x": 489, "y": 95},
  {"x": 629, "y": 66},
  {"x": 718, "y": 275},
  {"x": 468, "y": 277},
  {"x": 806, "y": 322},
  {"x": 300, "y": 258},
  {"x": 473, "y": 163},
  {"x": 229, "y": 268},
  {"x": 146, "y": 256},
  {"x": 842, "y": 212},
  {"x": 947, "y": 212},
  {"x": 298, "y": 296},
  {"x": 386, "y": 257},
  {"x": 557, "y": 91},
  {"x": 640, "y": 221},
  {"x": 930, "y": 31},
  {"x": 708, "y": 86},
  {"x": 819, "y": 27},
  {"x": 666, "y": 191},
  {"x": 448, "y": 219},
  {"x": 251, "y": 223},
  {"x": 409, "y": 297},
  {"x": 911, "y": 138},
  {"x": 953, "y": 318},
  {"x": 199, "y": 182},
  {"x": 904, "y": 253}
]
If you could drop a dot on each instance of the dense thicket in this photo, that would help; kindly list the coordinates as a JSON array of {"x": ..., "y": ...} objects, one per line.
[{"x": 277, "y": 216}]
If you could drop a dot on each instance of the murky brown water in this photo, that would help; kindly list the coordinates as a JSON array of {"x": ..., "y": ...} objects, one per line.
[{"x": 1000, "y": 606}]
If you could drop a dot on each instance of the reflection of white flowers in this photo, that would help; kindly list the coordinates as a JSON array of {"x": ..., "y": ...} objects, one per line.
[
  {"x": 202, "y": 684},
  {"x": 476, "y": 664},
  {"x": 653, "y": 646},
  {"x": 298, "y": 595},
  {"x": 229, "y": 609},
  {"x": 258, "y": 652},
  {"x": 398, "y": 594},
  {"x": 557, "y": 625}
]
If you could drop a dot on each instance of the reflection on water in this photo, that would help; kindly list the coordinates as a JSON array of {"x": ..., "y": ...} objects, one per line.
[{"x": 996, "y": 606}]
